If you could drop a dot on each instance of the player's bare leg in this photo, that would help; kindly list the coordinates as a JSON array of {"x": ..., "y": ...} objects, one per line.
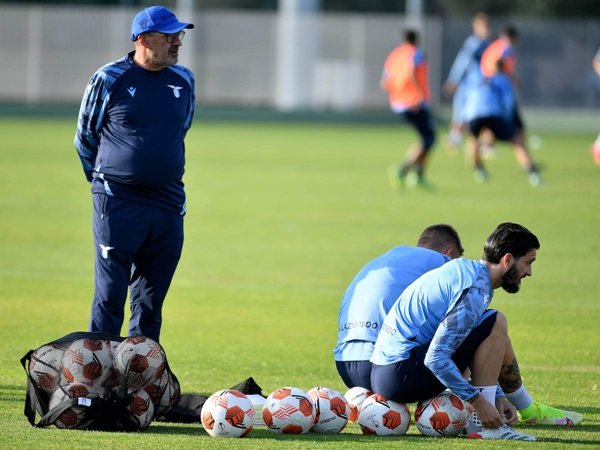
[
  {"x": 525, "y": 159},
  {"x": 530, "y": 411},
  {"x": 480, "y": 174},
  {"x": 486, "y": 422}
]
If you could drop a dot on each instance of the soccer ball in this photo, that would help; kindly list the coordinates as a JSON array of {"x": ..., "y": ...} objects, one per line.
[
  {"x": 139, "y": 361},
  {"x": 383, "y": 417},
  {"x": 228, "y": 413},
  {"x": 164, "y": 393},
  {"x": 74, "y": 415},
  {"x": 141, "y": 409},
  {"x": 355, "y": 397},
  {"x": 332, "y": 410},
  {"x": 87, "y": 361},
  {"x": 45, "y": 367},
  {"x": 443, "y": 415},
  {"x": 289, "y": 410},
  {"x": 113, "y": 345}
]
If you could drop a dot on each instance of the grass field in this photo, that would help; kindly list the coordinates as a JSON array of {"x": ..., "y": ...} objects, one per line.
[{"x": 280, "y": 218}]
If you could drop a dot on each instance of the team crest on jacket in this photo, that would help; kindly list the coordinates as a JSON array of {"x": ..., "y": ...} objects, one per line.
[{"x": 176, "y": 90}]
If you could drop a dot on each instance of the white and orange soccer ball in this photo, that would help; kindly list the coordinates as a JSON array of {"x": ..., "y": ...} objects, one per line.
[
  {"x": 289, "y": 410},
  {"x": 45, "y": 367},
  {"x": 141, "y": 409},
  {"x": 73, "y": 415},
  {"x": 164, "y": 393},
  {"x": 443, "y": 415},
  {"x": 383, "y": 417},
  {"x": 332, "y": 410},
  {"x": 228, "y": 413},
  {"x": 355, "y": 397},
  {"x": 87, "y": 361},
  {"x": 139, "y": 361}
]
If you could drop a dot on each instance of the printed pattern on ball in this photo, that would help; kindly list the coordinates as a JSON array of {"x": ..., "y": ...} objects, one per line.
[
  {"x": 74, "y": 415},
  {"x": 289, "y": 410},
  {"x": 332, "y": 410},
  {"x": 45, "y": 367},
  {"x": 141, "y": 409},
  {"x": 383, "y": 417},
  {"x": 139, "y": 361},
  {"x": 443, "y": 415},
  {"x": 87, "y": 361},
  {"x": 355, "y": 397},
  {"x": 164, "y": 393},
  {"x": 228, "y": 413}
]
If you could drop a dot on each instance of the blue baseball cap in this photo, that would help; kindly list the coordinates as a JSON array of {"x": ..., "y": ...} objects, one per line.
[{"x": 156, "y": 18}]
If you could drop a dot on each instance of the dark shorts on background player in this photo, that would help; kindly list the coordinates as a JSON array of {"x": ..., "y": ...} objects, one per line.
[
  {"x": 503, "y": 130},
  {"x": 423, "y": 122}
]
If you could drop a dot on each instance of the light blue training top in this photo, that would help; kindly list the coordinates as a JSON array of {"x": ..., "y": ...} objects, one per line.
[
  {"x": 491, "y": 97},
  {"x": 372, "y": 293},
  {"x": 441, "y": 308}
]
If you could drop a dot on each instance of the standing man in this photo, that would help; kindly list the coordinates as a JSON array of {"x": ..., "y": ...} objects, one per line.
[
  {"x": 133, "y": 119},
  {"x": 374, "y": 290},
  {"x": 405, "y": 80},
  {"x": 464, "y": 73},
  {"x": 441, "y": 326}
]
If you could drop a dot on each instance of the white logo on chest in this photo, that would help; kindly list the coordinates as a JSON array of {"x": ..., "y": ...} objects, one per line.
[
  {"x": 176, "y": 90},
  {"x": 131, "y": 91}
]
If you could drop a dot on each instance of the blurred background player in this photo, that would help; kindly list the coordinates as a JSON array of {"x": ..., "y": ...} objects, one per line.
[
  {"x": 374, "y": 290},
  {"x": 596, "y": 144},
  {"x": 133, "y": 119},
  {"x": 405, "y": 80},
  {"x": 504, "y": 49},
  {"x": 490, "y": 105},
  {"x": 465, "y": 72}
]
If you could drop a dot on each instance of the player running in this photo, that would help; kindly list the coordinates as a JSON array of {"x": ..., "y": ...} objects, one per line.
[
  {"x": 404, "y": 78},
  {"x": 491, "y": 105},
  {"x": 464, "y": 73}
]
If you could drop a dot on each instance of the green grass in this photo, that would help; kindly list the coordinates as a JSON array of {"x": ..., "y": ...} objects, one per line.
[{"x": 280, "y": 218}]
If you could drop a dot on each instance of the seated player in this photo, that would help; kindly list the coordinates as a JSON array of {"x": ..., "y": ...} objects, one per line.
[
  {"x": 374, "y": 290},
  {"x": 441, "y": 326}
]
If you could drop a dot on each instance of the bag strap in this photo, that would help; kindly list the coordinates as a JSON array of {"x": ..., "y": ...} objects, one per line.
[{"x": 32, "y": 400}]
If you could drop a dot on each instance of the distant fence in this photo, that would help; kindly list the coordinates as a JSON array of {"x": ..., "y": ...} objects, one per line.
[{"x": 242, "y": 58}]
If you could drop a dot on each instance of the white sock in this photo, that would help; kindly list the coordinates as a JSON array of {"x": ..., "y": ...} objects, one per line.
[
  {"x": 488, "y": 393},
  {"x": 520, "y": 399}
]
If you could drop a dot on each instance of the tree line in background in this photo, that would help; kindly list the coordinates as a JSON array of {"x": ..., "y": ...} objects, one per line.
[{"x": 444, "y": 8}]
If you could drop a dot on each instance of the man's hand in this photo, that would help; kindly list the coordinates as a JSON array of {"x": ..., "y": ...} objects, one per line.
[
  {"x": 507, "y": 410},
  {"x": 488, "y": 414}
]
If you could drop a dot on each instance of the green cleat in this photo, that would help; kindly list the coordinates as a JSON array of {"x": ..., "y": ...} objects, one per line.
[
  {"x": 540, "y": 414},
  {"x": 480, "y": 175},
  {"x": 534, "y": 179},
  {"x": 396, "y": 178}
]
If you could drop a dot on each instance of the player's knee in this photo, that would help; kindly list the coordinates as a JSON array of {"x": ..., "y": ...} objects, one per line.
[{"x": 501, "y": 324}]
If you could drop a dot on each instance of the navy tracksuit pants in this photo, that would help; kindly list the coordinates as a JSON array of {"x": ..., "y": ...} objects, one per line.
[{"x": 138, "y": 247}]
